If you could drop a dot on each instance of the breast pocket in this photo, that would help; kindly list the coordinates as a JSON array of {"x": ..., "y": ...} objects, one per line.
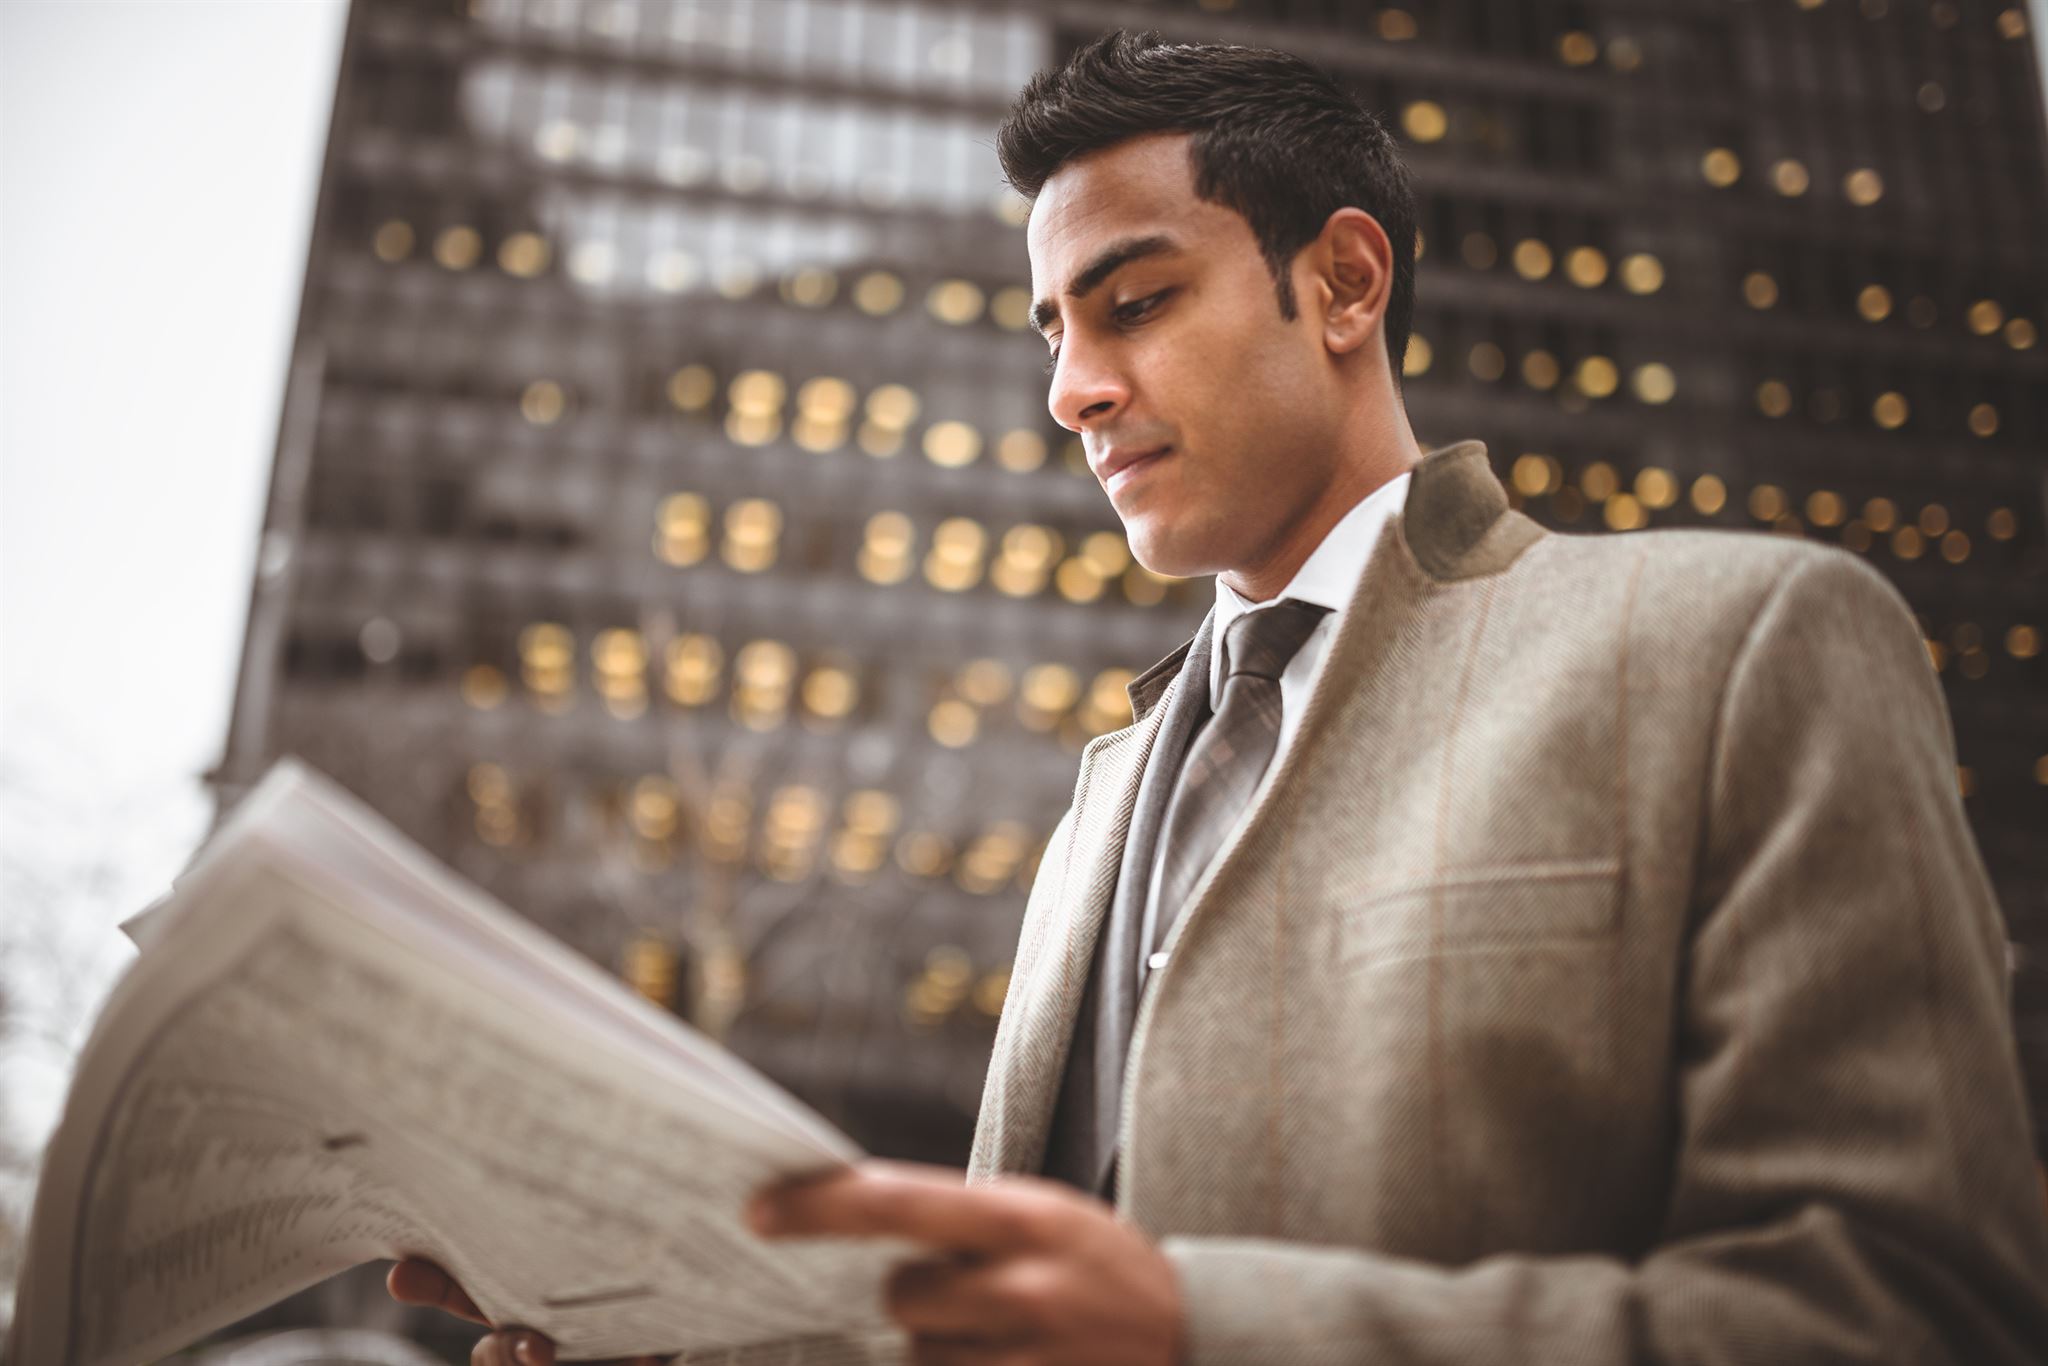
[{"x": 1489, "y": 909}]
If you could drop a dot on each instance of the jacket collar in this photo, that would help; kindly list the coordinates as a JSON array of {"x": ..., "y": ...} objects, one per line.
[{"x": 1455, "y": 525}]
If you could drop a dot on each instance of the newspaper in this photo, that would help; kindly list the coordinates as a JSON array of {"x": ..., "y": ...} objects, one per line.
[{"x": 332, "y": 1050}]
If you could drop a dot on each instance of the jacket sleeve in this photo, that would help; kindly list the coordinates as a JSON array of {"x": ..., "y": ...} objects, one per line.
[{"x": 1853, "y": 1179}]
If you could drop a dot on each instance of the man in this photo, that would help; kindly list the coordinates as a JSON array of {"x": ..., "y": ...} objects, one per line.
[{"x": 1485, "y": 945}]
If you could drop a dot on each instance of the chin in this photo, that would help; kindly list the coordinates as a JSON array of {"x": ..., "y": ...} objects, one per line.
[{"x": 1162, "y": 552}]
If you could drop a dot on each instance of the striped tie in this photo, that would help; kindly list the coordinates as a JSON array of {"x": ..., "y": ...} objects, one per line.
[{"x": 1227, "y": 759}]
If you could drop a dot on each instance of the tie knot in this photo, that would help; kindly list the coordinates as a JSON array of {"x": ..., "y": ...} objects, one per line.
[{"x": 1260, "y": 643}]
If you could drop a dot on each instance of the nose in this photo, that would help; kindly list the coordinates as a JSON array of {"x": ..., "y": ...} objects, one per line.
[{"x": 1085, "y": 390}]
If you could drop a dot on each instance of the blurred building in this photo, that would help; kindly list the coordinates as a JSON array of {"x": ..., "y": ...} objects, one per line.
[{"x": 668, "y": 530}]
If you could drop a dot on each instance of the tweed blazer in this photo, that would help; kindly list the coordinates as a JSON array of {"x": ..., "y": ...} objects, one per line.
[{"x": 1604, "y": 973}]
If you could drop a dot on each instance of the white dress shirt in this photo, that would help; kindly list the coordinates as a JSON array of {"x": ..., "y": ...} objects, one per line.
[{"x": 1327, "y": 579}]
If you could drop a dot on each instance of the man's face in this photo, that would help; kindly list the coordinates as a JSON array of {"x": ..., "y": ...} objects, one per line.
[{"x": 1209, "y": 419}]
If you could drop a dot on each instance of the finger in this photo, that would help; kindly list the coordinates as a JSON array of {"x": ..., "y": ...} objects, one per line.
[
  {"x": 904, "y": 1200},
  {"x": 417, "y": 1281},
  {"x": 513, "y": 1347},
  {"x": 952, "y": 1299}
]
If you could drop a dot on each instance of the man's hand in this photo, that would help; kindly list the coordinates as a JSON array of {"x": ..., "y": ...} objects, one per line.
[
  {"x": 414, "y": 1281},
  {"x": 1030, "y": 1271}
]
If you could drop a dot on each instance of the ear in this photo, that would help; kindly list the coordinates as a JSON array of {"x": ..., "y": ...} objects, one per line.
[{"x": 1353, "y": 278}]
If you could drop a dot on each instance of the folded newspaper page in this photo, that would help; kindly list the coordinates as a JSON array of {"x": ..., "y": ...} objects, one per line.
[{"x": 333, "y": 1050}]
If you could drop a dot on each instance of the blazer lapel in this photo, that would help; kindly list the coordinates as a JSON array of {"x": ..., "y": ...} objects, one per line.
[{"x": 1057, "y": 952}]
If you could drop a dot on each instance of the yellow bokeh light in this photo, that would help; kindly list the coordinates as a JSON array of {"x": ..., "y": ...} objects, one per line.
[
  {"x": 1863, "y": 187},
  {"x": 457, "y": 248},
  {"x": 1586, "y": 267},
  {"x": 1011, "y": 308},
  {"x": 690, "y": 388},
  {"x": 1540, "y": 370},
  {"x": 954, "y": 302},
  {"x": 393, "y": 241},
  {"x": 1597, "y": 377},
  {"x": 1759, "y": 290},
  {"x": 523, "y": 255},
  {"x": 1709, "y": 495},
  {"x": 1655, "y": 383},
  {"x": 1577, "y": 48},
  {"x": 951, "y": 444},
  {"x": 542, "y": 403},
  {"x": 1532, "y": 259},
  {"x": 1642, "y": 273},
  {"x": 1773, "y": 398},
  {"x": 878, "y": 292},
  {"x": 1656, "y": 488},
  {"x": 1985, "y": 316},
  {"x": 1425, "y": 121},
  {"x": 1021, "y": 451},
  {"x": 1789, "y": 178},
  {"x": 1720, "y": 168},
  {"x": 1874, "y": 303},
  {"x": 1983, "y": 420},
  {"x": 1891, "y": 410}
]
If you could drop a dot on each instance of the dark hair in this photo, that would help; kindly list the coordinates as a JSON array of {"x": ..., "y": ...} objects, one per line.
[{"x": 1270, "y": 136}]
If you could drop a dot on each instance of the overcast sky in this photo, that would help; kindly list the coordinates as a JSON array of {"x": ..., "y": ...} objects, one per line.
[{"x": 158, "y": 166}]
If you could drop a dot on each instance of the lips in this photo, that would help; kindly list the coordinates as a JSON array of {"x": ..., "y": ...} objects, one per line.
[{"x": 1121, "y": 467}]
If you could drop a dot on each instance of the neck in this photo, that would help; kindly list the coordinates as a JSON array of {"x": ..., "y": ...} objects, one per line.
[{"x": 1368, "y": 465}]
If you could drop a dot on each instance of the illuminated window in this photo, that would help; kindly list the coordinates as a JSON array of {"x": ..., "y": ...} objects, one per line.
[
  {"x": 1540, "y": 370},
  {"x": 1656, "y": 488},
  {"x": 809, "y": 287},
  {"x": 1011, "y": 308},
  {"x": 1021, "y": 451},
  {"x": 951, "y": 444},
  {"x": 1655, "y": 383},
  {"x": 523, "y": 254},
  {"x": 1642, "y": 273},
  {"x": 1532, "y": 259},
  {"x": 457, "y": 248},
  {"x": 955, "y": 302},
  {"x": 1425, "y": 121},
  {"x": 877, "y": 293},
  {"x": 393, "y": 241},
  {"x": 1586, "y": 267},
  {"x": 690, "y": 388},
  {"x": 541, "y": 403},
  {"x": 753, "y": 527},
  {"x": 1720, "y": 168},
  {"x": 1597, "y": 377}
]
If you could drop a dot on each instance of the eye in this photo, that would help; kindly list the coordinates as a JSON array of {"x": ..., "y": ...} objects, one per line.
[
  {"x": 1136, "y": 309},
  {"x": 1052, "y": 362}
]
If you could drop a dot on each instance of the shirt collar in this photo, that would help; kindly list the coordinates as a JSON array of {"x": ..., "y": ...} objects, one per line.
[{"x": 1329, "y": 574}]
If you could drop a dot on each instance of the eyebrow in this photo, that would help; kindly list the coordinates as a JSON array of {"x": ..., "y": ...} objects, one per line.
[{"x": 1107, "y": 262}]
